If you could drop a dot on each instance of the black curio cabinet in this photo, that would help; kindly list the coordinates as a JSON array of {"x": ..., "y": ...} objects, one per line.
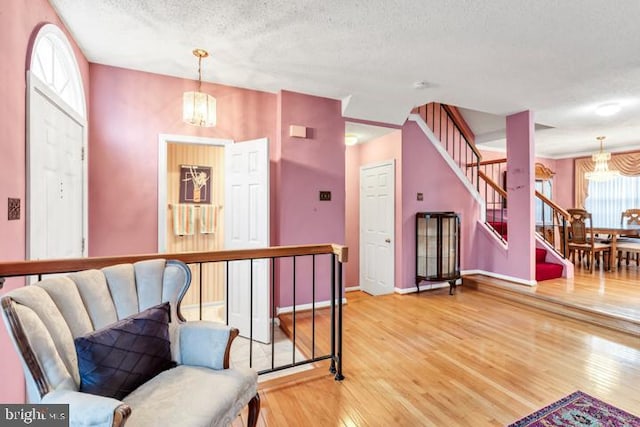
[{"x": 438, "y": 248}]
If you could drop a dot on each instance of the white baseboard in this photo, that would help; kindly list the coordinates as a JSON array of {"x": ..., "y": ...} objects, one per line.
[
  {"x": 352, "y": 289},
  {"x": 306, "y": 307},
  {"x": 501, "y": 276}
]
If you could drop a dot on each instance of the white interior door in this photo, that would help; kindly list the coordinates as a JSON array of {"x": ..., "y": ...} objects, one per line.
[
  {"x": 246, "y": 216},
  {"x": 377, "y": 226},
  {"x": 56, "y": 221}
]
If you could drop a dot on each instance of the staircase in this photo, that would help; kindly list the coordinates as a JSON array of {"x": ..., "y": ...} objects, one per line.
[
  {"x": 489, "y": 178},
  {"x": 544, "y": 270}
]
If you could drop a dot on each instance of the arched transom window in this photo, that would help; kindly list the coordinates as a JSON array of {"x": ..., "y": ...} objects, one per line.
[{"x": 53, "y": 62}]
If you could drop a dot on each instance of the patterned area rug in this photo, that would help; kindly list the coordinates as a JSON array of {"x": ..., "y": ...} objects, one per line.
[{"x": 579, "y": 410}]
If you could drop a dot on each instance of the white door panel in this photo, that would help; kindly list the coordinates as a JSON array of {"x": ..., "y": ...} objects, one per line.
[
  {"x": 377, "y": 228},
  {"x": 247, "y": 218},
  {"x": 55, "y": 191}
]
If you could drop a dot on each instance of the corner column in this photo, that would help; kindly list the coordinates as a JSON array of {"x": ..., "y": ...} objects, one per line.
[{"x": 520, "y": 194}]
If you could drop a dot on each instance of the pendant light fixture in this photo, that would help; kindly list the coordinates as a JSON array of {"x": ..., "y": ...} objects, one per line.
[
  {"x": 601, "y": 170},
  {"x": 199, "y": 108}
]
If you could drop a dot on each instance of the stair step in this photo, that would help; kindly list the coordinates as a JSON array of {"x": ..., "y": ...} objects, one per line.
[{"x": 548, "y": 271}]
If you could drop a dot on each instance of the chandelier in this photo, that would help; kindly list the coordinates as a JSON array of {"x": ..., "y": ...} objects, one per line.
[
  {"x": 601, "y": 170},
  {"x": 199, "y": 108}
]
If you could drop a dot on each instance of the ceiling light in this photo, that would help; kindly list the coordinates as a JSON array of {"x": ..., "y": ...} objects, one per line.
[
  {"x": 421, "y": 85},
  {"x": 199, "y": 108},
  {"x": 601, "y": 170},
  {"x": 350, "y": 139},
  {"x": 606, "y": 110}
]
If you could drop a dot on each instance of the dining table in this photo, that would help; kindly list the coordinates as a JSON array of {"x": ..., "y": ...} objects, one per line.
[{"x": 614, "y": 232}]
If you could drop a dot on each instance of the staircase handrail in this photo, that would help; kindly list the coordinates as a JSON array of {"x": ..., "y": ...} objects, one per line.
[
  {"x": 65, "y": 265},
  {"x": 553, "y": 205},
  {"x": 487, "y": 162},
  {"x": 492, "y": 184}
]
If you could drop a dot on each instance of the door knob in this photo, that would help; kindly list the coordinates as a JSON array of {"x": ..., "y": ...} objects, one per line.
[{"x": 387, "y": 240}]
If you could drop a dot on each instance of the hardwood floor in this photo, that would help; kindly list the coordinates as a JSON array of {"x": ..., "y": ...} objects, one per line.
[
  {"x": 615, "y": 294},
  {"x": 471, "y": 359}
]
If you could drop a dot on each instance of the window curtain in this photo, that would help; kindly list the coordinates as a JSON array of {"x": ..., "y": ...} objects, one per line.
[
  {"x": 628, "y": 164},
  {"x": 607, "y": 199}
]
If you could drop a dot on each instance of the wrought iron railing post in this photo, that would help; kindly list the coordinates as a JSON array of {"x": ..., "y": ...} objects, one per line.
[
  {"x": 339, "y": 376},
  {"x": 332, "y": 368},
  {"x": 200, "y": 289},
  {"x": 477, "y": 174},
  {"x": 564, "y": 237}
]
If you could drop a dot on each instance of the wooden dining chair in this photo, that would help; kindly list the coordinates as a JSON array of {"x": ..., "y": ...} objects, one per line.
[
  {"x": 581, "y": 239},
  {"x": 629, "y": 247}
]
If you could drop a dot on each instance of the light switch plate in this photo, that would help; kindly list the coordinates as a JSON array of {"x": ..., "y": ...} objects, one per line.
[
  {"x": 13, "y": 209},
  {"x": 420, "y": 197},
  {"x": 325, "y": 196}
]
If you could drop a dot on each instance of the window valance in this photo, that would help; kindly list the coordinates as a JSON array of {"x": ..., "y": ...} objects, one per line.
[{"x": 628, "y": 164}]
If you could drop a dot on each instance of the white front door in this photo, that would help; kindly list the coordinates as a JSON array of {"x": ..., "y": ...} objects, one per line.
[
  {"x": 246, "y": 216},
  {"x": 377, "y": 226},
  {"x": 55, "y": 170}
]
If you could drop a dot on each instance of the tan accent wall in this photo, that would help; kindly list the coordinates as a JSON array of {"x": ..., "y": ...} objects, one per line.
[{"x": 212, "y": 275}]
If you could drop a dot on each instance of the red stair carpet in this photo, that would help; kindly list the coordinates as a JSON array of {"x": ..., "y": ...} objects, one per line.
[
  {"x": 500, "y": 227},
  {"x": 546, "y": 270}
]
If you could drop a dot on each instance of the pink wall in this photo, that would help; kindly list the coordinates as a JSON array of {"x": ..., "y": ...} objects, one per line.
[
  {"x": 424, "y": 171},
  {"x": 19, "y": 20},
  {"x": 564, "y": 183},
  {"x": 129, "y": 110},
  {"x": 381, "y": 149},
  {"x": 306, "y": 166}
]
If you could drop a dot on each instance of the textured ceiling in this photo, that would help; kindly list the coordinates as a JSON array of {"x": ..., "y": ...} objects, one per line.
[{"x": 559, "y": 59}]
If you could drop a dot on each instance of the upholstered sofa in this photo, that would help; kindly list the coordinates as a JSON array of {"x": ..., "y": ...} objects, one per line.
[{"x": 48, "y": 319}]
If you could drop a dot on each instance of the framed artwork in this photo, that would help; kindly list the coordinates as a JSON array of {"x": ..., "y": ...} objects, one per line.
[{"x": 195, "y": 184}]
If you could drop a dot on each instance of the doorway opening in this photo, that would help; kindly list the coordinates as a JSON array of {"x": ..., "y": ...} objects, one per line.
[
  {"x": 372, "y": 146},
  {"x": 229, "y": 211}
]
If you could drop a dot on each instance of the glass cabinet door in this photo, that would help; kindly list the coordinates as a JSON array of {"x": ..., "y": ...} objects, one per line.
[{"x": 437, "y": 246}]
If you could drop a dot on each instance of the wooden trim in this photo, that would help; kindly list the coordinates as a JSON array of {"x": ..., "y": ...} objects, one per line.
[
  {"x": 543, "y": 173},
  {"x": 24, "y": 347},
  {"x": 233, "y": 333},
  {"x": 26, "y": 268},
  {"x": 341, "y": 251},
  {"x": 487, "y": 162},
  {"x": 120, "y": 415},
  {"x": 492, "y": 184},
  {"x": 551, "y": 203}
]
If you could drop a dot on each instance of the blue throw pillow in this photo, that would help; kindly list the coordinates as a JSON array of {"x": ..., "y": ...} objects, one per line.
[{"x": 117, "y": 359}]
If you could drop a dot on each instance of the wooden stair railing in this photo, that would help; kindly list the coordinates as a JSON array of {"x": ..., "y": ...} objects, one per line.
[
  {"x": 495, "y": 204},
  {"x": 554, "y": 233},
  {"x": 275, "y": 256},
  {"x": 64, "y": 265},
  {"x": 553, "y": 230},
  {"x": 456, "y": 137}
]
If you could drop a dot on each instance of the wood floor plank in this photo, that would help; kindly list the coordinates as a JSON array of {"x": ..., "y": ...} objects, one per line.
[{"x": 431, "y": 359}]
